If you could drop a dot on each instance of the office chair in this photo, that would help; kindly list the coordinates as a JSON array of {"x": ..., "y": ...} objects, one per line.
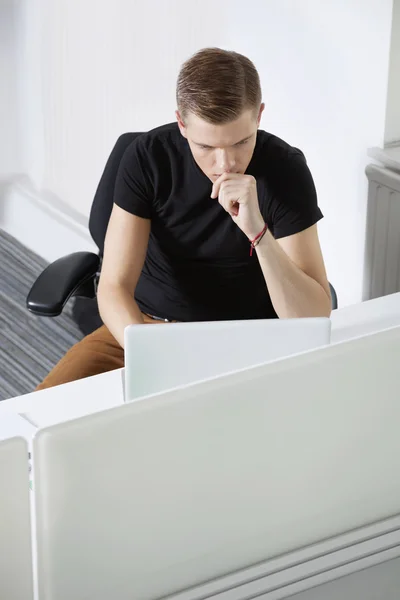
[{"x": 76, "y": 275}]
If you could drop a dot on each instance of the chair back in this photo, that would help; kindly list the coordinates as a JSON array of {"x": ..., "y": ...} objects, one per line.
[{"x": 104, "y": 197}]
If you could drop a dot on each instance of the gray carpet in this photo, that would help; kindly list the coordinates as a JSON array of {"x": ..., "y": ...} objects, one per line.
[{"x": 29, "y": 346}]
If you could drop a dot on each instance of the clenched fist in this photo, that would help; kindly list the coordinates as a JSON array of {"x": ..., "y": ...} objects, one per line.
[{"x": 237, "y": 194}]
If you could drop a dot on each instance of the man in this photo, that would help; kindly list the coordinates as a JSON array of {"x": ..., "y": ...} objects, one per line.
[{"x": 212, "y": 220}]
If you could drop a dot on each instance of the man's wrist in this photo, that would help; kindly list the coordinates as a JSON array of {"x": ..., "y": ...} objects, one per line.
[
  {"x": 256, "y": 231},
  {"x": 264, "y": 244},
  {"x": 256, "y": 240}
]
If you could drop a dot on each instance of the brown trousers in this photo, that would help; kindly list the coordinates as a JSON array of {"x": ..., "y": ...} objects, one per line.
[{"x": 96, "y": 353}]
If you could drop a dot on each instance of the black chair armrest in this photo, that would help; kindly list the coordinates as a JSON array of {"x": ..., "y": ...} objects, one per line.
[
  {"x": 334, "y": 297},
  {"x": 68, "y": 276}
]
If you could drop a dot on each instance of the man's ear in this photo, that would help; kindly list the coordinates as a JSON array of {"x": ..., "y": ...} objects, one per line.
[
  {"x": 181, "y": 124},
  {"x": 260, "y": 114}
]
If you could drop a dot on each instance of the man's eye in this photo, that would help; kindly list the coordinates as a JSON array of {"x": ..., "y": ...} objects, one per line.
[
  {"x": 242, "y": 143},
  {"x": 204, "y": 147}
]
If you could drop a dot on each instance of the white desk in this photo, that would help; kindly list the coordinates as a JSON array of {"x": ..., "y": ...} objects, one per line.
[
  {"x": 97, "y": 393},
  {"x": 366, "y": 317},
  {"x": 69, "y": 401}
]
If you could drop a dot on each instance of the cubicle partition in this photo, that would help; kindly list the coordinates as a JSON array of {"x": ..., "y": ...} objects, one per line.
[
  {"x": 261, "y": 483},
  {"x": 15, "y": 527}
]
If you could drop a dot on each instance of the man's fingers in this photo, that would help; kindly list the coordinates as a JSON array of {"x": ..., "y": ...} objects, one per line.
[
  {"x": 225, "y": 187},
  {"x": 233, "y": 208},
  {"x": 224, "y": 178},
  {"x": 231, "y": 179},
  {"x": 217, "y": 185},
  {"x": 229, "y": 199},
  {"x": 215, "y": 189}
]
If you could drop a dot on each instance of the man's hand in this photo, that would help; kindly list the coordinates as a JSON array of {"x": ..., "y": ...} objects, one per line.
[{"x": 237, "y": 194}]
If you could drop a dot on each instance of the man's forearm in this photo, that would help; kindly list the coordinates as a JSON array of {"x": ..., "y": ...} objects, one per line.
[
  {"x": 118, "y": 309},
  {"x": 292, "y": 292}
]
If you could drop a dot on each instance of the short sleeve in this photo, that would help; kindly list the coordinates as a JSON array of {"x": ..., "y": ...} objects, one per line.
[
  {"x": 294, "y": 205},
  {"x": 133, "y": 191}
]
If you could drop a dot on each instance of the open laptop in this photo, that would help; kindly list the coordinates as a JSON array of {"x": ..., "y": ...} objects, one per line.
[{"x": 162, "y": 357}]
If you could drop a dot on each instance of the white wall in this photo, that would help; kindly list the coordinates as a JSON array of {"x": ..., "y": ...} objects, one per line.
[
  {"x": 107, "y": 68},
  {"x": 392, "y": 127},
  {"x": 324, "y": 69},
  {"x": 102, "y": 68},
  {"x": 10, "y": 134}
]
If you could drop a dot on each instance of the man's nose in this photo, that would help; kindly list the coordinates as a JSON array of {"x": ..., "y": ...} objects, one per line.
[{"x": 226, "y": 161}]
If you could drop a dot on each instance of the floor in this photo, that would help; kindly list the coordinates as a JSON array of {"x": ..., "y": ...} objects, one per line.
[{"x": 29, "y": 345}]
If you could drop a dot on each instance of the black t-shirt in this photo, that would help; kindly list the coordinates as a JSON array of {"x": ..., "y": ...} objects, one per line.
[{"x": 198, "y": 265}]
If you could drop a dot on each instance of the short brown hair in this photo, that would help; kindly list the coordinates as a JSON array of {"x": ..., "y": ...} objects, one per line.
[{"x": 217, "y": 85}]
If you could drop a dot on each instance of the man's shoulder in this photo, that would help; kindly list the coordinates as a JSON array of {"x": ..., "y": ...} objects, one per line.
[
  {"x": 274, "y": 160},
  {"x": 155, "y": 152},
  {"x": 274, "y": 148},
  {"x": 165, "y": 139}
]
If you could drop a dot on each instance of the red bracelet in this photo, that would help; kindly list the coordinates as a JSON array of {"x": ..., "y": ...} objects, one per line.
[{"x": 257, "y": 239}]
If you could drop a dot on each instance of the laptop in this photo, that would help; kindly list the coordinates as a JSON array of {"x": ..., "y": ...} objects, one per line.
[{"x": 162, "y": 357}]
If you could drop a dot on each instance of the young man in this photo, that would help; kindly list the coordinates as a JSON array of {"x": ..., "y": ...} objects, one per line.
[{"x": 212, "y": 220}]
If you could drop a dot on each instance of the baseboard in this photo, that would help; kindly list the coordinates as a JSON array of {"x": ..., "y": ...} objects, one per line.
[
  {"x": 316, "y": 565},
  {"x": 41, "y": 222}
]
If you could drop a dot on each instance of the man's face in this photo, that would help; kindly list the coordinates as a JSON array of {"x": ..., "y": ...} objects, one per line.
[{"x": 219, "y": 149}]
